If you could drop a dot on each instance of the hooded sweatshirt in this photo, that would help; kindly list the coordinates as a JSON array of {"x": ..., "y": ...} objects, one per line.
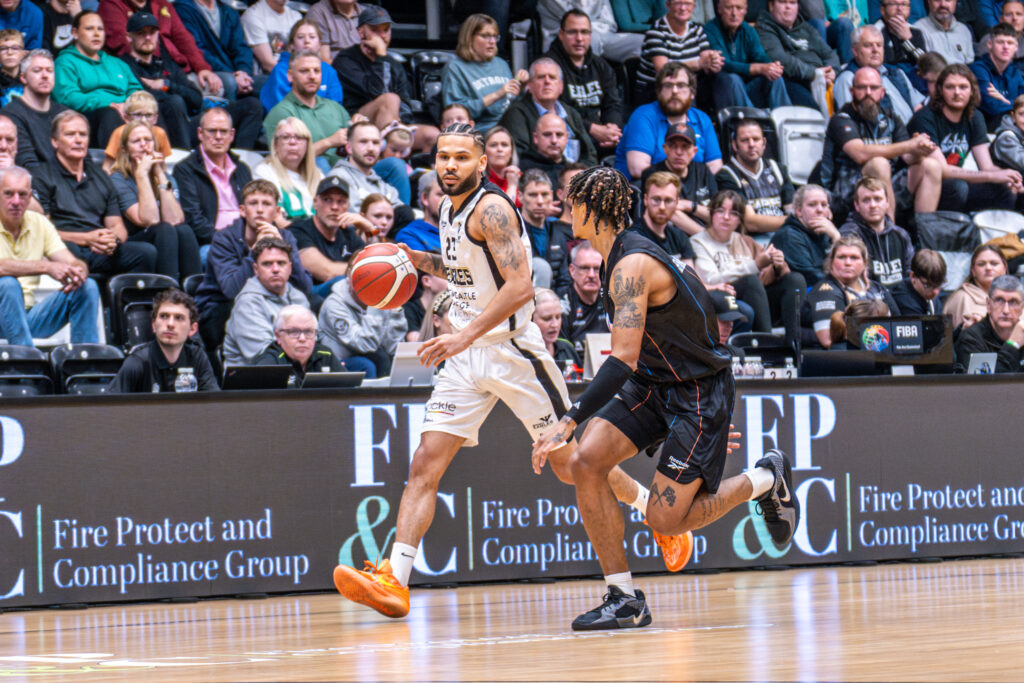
[
  {"x": 591, "y": 89},
  {"x": 889, "y": 251},
  {"x": 801, "y": 49},
  {"x": 804, "y": 249},
  {"x": 86, "y": 84},
  {"x": 1008, "y": 147},
  {"x": 250, "y": 328}
]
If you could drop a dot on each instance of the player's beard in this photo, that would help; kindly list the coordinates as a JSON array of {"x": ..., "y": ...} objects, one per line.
[{"x": 462, "y": 188}]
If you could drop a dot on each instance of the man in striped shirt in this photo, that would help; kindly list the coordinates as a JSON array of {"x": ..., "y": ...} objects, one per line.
[{"x": 675, "y": 38}]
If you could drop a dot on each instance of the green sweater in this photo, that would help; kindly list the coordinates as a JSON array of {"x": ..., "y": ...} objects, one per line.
[
  {"x": 637, "y": 15},
  {"x": 88, "y": 84}
]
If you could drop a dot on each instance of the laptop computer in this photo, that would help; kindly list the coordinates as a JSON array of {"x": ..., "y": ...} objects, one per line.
[
  {"x": 406, "y": 370},
  {"x": 982, "y": 364},
  {"x": 332, "y": 380},
  {"x": 257, "y": 377}
]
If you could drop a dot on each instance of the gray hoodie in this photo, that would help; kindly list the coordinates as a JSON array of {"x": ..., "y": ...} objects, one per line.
[
  {"x": 350, "y": 329},
  {"x": 360, "y": 185},
  {"x": 1007, "y": 149},
  {"x": 250, "y": 328}
]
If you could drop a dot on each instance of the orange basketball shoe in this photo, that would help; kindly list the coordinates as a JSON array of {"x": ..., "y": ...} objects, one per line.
[
  {"x": 675, "y": 550},
  {"x": 375, "y": 587}
]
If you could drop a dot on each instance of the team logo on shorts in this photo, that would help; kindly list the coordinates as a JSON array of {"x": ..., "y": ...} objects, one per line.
[
  {"x": 674, "y": 464},
  {"x": 545, "y": 421},
  {"x": 442, "y": 407}
]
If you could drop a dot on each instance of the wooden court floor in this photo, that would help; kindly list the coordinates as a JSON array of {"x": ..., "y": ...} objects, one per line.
[{"x": 950, "y": 621}]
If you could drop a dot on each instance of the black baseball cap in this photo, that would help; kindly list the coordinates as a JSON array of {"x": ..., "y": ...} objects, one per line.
[
  {"x": 332, "y": 182},
  {"x": 374, "y": 15},
  {"x": 141, "y": 20},
  {"x": 681, "y": 130},
  {"x": 725, "y": 307}
]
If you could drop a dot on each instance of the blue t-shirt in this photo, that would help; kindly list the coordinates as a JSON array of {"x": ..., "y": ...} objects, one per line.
[
  {"x": 421, "y": 236},
  {"x": 646, "y": 129}
]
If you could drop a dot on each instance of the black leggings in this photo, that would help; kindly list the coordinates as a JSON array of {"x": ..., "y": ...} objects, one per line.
[
  {"x": 177, "y": 252},
  {"x": 778, "y": 301}
]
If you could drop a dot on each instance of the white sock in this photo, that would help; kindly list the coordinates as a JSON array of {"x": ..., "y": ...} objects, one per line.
[
  {"x": 402, "y": 557},
  {"x": 761, "y": 480},
  {"x": 640, "y": 504},
  {"x": 624, "y": 581}
]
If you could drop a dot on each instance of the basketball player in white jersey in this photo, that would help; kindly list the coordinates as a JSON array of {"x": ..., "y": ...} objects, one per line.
[{"x": 495, "y": 351}]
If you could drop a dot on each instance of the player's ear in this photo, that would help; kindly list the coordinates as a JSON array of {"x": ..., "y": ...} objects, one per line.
[{"x": 483, "y": 164}]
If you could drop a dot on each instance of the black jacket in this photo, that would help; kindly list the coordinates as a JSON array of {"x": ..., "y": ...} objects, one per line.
[
  {"x": 521, "y": 118},
  {"x": 146, "y": 370},
  {"x": 805, "y": 250},
  {"x": 198, "y": 196},
  {"x": 912, "y": 303},
  {"x": 166, "y": 70},
  {"x": 591, "y": 89},
  {"x": 982, "y": 338},
  {"x": 362, "y": 81},
  {"x": 322, "y": 360},
  {"x": 889, "y": 252}
]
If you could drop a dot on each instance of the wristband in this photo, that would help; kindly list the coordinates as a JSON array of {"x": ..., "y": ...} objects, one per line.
[
  {"x": 606, "y": 383},
  {"x": 1013, "y": 344}
]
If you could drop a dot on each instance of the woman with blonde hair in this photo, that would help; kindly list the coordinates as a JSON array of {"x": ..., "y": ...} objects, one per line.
[
  {"x": 150, "y": 210},
  {"x": 478, "y": 78},
  {"x": 377, "y": 209},
  {"x": 291, "y": 167},
  {"x": 140, "y": 106},
  {"x": 845, "y": 282}
]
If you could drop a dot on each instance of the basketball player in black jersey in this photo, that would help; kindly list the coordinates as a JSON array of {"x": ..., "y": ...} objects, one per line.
[
  {"x": 668, "y": 379},
  {"x": 495, "y": 352}
]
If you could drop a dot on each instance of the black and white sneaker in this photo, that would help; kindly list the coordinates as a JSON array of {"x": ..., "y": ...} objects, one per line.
[
  {"x": 617, "y": 611},
  {"x": 779, "y": 506}
]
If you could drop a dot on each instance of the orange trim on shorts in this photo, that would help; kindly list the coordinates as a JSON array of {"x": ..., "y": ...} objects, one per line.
[{"x": 641, "y": 402}]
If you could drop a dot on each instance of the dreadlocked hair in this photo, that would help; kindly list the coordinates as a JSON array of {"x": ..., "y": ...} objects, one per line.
[
  {"x": 466, "y": 130},
  {"x": 604, "y": 193}
]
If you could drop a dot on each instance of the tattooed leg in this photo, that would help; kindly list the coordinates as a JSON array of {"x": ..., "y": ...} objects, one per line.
[{"x": 676, "y": 508}]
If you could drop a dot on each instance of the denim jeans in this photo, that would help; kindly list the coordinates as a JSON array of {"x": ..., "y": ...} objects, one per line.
[{"x": 80, "y": 308}]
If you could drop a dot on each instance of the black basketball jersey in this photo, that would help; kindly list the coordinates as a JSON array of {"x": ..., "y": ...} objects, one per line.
[{"x": 680, "y": 337}]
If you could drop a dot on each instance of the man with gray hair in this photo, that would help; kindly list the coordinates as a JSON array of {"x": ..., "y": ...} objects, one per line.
[
  {"x": 33, "y": 113},
  {"x": 869, "y": 50},
  {"x": 30, "y": 247},
  {"x": 582, "y": 308},
  {"x": 422, "y": 234},
  {"x": 545, "y": 87},
  {"x": 807, "y": 235},
  {"x": 295, "y": 343},
  {"x": 1000, "y": 329}
]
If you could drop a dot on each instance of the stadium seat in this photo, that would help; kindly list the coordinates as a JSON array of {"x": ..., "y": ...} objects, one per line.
[
  {"x": 801, "y": 135},
  {"x": 252, "y": 159},
  {"x": 191, "y": 284},
  {"x": 131, "y": 300},
  {"x": 772, "y": 348},
  {"x": 24, "y": 371},
  {"x": 729, "y": 117},
  {"x": 427, "y": 66},
  {"x": 85, "y": 368},
  {"x": 953, "y": 235},
  {"x": 993, "y": 223}
]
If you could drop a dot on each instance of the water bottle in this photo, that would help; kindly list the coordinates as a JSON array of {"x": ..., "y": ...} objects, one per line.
[
  {"x": 186, "y": 381},
  {"x": 737, "y": 367},
  {"x": 789, "y": 372},
  {"x": 569, "y": 371}
]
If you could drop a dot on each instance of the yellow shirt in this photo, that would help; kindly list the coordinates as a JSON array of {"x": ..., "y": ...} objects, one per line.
[{"x": 37, "y": 240}]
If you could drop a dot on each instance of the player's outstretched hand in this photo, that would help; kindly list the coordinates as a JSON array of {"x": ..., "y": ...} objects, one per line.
[
  {"x": 555, "y": 437},
  {"x": 441, "y": 348},
  {"x": 734, "y": 440}
]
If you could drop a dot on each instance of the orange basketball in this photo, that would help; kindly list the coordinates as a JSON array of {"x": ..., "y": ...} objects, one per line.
[{"x": 382, "y": 276}]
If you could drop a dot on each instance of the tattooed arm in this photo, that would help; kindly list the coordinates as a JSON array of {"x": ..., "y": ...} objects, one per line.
[
  {"x": 425, "y": 261},
  {"x": 495, "y": 222},
  {"x": 629, "y": 287}
]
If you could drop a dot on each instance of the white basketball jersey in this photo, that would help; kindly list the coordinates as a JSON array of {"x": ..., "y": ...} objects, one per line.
[{"x": 473, "y": 276}]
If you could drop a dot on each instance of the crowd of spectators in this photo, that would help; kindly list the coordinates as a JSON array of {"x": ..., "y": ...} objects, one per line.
[{"x": 257, "y": 152}]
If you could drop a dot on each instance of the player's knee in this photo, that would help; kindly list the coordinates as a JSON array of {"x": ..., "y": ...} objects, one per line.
[
  {"x": 583, "y": 467},
  {"x": 560, "y": 465}
]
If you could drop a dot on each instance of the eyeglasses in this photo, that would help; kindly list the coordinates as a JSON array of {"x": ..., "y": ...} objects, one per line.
[
  {"x": 488, "y": 36},
  {"x": 217, "y": 132},
  {"x": 143, "y": 115},
  {"x": 296, "y": 333},
  {"x": 1000, "y": 302},
  {"x": 726, "y": 213},
  {"x": 675, "y": 86},
  {"x": 662, "y": 201},
  {"x": 574, "y": 32},
  {"x": 9, "y": 49},
  {"x": 290, "y": 138}
]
